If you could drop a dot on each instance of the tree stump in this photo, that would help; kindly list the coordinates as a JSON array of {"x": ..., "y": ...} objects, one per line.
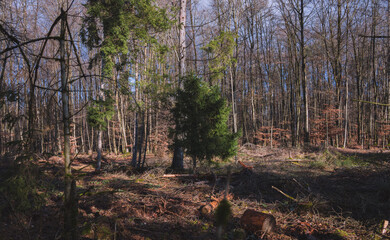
[{"x": 253, "y": 221}]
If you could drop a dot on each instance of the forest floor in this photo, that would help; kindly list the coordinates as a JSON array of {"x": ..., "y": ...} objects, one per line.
[{"x": 332, "y": 194}]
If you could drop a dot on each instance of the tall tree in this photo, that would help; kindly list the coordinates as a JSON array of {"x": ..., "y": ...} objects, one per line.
[
  {"x": 70, "y": 221},
  {"x": 121, "y": 21},
  {"x": 177, "y": 161}
]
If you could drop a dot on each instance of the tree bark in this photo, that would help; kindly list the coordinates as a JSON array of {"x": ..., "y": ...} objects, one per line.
[
  {"x": 70, "y": 208},
  {"x": 99, "y": 150},
  {"x": 177, "y": 162},
  {"x": 254, "y": 221},
  {"x": 306, "y": 137}
]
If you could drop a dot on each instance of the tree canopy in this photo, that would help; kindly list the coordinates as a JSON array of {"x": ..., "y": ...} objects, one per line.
[{"x": 109, "y": 24}]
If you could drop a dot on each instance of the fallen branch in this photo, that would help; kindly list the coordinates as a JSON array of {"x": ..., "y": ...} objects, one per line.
[
  {"x": 177, "y": 175},
  {"x": 245, "y": 166},
  {"x": 266, "y": 155},
  {"x": 297, "y": 160},
  {"x": 296, "y": 163},
  {"x": 284, "y": 194},
  {"x": 374, "y": 103}
]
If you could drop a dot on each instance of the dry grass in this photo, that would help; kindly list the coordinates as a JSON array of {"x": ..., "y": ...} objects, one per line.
[{"x": 326, "y": 201}]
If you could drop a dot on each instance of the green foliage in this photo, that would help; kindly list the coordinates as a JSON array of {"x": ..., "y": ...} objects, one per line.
[
  {"x": 223, "y": 213},
  {"x": 20, "y": 188},
  {"x": 120, "y": 19},
  {"x": 342, "y": 160},
  {"x": 317, "y": 164},
  {"x": 201, "y": 116},
  {"x": 222, "y": 49},
  {"x": 100, "y": 111}
]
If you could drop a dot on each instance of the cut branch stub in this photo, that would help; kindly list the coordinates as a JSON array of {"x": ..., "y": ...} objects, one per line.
[{"x": 253, "y": 221}]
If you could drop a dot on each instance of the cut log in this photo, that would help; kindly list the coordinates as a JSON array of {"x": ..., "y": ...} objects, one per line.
[
  {"x": 207, "y": 209},
  {"x": 254, "y": 221}
]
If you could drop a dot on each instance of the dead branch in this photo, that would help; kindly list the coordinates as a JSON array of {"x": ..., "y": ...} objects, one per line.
[
  {"x": 284, "y": 194},
  {"x": 245, "y": 166},
  {"x": 177, "y": 175}
]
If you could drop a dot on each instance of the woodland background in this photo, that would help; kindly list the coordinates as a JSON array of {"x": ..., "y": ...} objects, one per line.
[
  {"x": 303, "y": 79},
  {"x": 292, "y": 71}
]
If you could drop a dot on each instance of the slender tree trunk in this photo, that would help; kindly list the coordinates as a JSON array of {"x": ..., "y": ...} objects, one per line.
[
  {"x": 141, "y": 140},
  {"x": 177, "y": 162},
  {"x": 122, "y": 123},
  {"x": 182, "y": 37},
  {"x": 99, "y": 150},
  {"x": 111, "y": 134},
  {"x": 346, "y": 114},
  {"x": 303, "y": 75},
  {"x": 193, "y": 38},
  {"x": 135, "y": 145},
  {"x": 70, "y": 202},
  {"x": 99, "y": 144}
]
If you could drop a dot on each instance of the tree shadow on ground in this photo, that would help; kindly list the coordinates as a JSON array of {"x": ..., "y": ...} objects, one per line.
[
  {"x": 363, "y": 194},
  {"x": 137, "y": 210},
  {"x": 130, "y": 204}
]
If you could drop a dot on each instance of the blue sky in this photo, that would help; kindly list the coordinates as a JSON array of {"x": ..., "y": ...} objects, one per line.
[{"x": 204, "y": 2}]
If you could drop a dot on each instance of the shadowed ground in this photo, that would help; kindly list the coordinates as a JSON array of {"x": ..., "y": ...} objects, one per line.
[{"x": 335, "y": 194}]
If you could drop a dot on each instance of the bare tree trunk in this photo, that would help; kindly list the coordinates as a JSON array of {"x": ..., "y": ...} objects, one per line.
[
  {"x": 99, "y": 150},
  {"x": 141, "y": 140},
  {"x": 123, "y": 125},
  {"x": 306, "y": 136},
  {"x": 100, "y": 130},
  {"x": 177, "y": 162},
  {"x": 70, "y": 205},
  {"x": 111, "y": 143},
  {"x": 346, "y": 114},
  {"x": 182, "y": 37},
  {"x": 135, "y": 145},
  {"x": 193, "y": 38}
]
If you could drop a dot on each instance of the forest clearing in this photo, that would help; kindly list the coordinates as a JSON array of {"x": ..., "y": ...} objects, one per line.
[
  {"x": 334, "y": 195},
  {"x": 194, "y": 119}
]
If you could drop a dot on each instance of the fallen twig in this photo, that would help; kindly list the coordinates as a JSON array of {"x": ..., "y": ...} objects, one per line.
[
  {"x": 177, "y": 175},
  {"x": 245, "y": 166},
  {"x": 284, "y": 194},
  {"x": 266, "y": 155},
  {"x": 308, "y": 189},
  {"x": 297, "y": 160}
]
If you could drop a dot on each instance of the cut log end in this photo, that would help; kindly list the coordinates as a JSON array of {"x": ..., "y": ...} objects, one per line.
[
  {"x": 253, "y": 221},
  {"x": 208, "y": 209}
]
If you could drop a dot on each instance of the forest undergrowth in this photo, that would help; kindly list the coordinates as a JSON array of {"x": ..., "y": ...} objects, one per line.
[{"x": 313, "y": 194}]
